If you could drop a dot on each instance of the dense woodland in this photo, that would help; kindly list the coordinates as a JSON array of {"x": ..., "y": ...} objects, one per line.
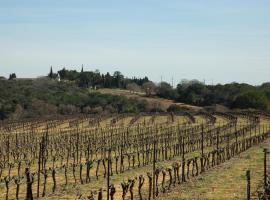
[
  {"x": 77, "y": 93},
  {"x": 43, "y": 97}
]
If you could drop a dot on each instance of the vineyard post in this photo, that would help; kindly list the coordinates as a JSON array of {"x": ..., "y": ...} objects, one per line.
[
  {"x": 8, "y": 149},
  {"x": 121, "y": 157},
  {"x": 265, "y": 150},
  {"x": 248, "y": 184},
  {"x": 218, "y": 146},
  {"x": 228, "y": 137},
  {"x": 183, "y": 159},
  {"x": 77, "y": 143},
  {"x": 251, "y": 131},
  {"x": 236, "y": 138},
  {"x": 108, "y": 174},
  {"x": 154, "y": 168},
  {"x": 29, "y": 182},
  {"x": 202, "y": 135},
  {"x": 202, "y": 156},
  {"x": 256, "y": 130},
  {"x": 39, "y": 162},
  {"x": 183, "y": 147}
]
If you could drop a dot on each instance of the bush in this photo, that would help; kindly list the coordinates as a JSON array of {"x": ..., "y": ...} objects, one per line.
[
  {"x": 159, "y": 110},
  {"x": 68, "y": 109},
  {"x": 254, "y": 100},
  {"x": 97, "y": 110},
  {"x": 87, "y": 110},
  {"x": 110, "y": 109}
]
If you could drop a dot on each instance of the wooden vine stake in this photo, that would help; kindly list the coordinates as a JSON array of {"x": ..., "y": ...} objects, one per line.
[
  {"x": 108, "y": 175},
  {"x": 248, "y": 184},
  {"x": 154, "y": 169}
]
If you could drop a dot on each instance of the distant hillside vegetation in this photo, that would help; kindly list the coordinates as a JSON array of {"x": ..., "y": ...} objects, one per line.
[
  {"x": 68, "y": 92},
  {"x": 46, "y": 97}
]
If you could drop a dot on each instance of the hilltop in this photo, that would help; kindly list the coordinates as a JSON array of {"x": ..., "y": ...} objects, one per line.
[{"x": 68, "y": 92}]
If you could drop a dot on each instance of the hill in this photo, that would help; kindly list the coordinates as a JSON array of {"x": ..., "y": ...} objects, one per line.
[
  {"x": 162, "y": 103},
  {"x": 69, "y": 92}
]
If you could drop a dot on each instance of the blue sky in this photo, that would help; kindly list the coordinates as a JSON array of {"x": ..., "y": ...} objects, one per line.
[{"x": 219, "y": 40}]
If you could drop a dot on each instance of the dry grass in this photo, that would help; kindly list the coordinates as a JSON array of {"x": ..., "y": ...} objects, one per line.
[
  {"x": 227, "y": 181},
  {"x": 163, "y": 103}
]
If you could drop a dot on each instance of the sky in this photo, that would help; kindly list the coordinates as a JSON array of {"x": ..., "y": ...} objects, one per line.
[{"x": 219, "y": 41}]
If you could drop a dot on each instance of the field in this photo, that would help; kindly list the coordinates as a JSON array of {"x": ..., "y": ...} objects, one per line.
[
  {"x": 161, "y": 102},
  {"x": 134, "y": 156}
]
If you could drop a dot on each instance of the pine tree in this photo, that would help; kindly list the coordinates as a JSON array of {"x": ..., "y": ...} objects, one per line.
[
  {"x": 51, "y": 73},
  {"x": 82, "y": 69},
  {"x": 12, "y": 76}
]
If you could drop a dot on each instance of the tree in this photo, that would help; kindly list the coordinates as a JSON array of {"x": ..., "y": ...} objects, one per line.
[
  {"x": 193, "y": 92},
  {"x": 118, "y": 79},
  {"x": 71, "y": 75},
  {"x": 82, "y": 69},
  {"x": 254, "y": 100},
  {"x": 12, "y": 76},
  {"x": 165, "y": 90},
  {"x": 51, "y": 73},
  {"x": 149, "y": 88},
  {"x": 85, "y": 79},
  {"x": 133, "y": 87},
  {"x": 63, "y": 73},
  {"x": 108, "y": 80}
]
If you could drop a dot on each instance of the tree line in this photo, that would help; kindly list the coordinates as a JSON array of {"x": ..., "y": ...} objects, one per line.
[
  {"x": 42, "y": 97},
  {"x": 95, "y": 79},
  {"x": 232, "y": 95},
  {"x": 66, "y": 92}
]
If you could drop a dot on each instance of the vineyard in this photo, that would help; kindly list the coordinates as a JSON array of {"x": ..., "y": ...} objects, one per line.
[{"x": 124, "y": 156}]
